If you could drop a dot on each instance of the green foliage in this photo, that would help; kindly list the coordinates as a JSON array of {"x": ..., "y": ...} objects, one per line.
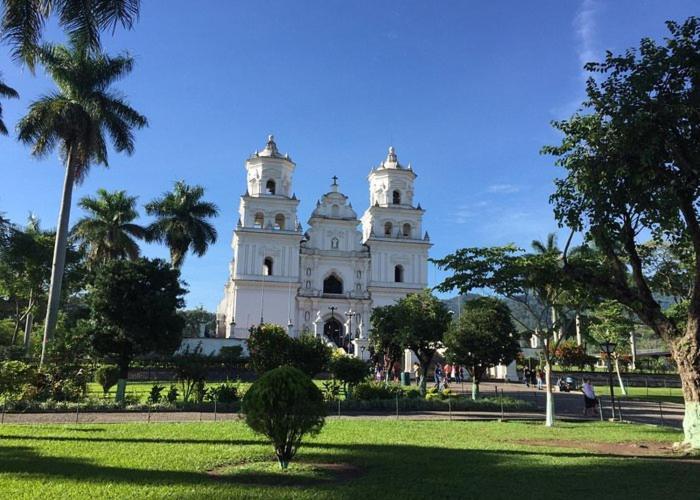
[
  {"x": 612, "y": 322},
  {"x": 191, "y": 371},
  {"x": 172, "y": 394},
  {"x": 331, "y": 390},
  {"x": 182, "y": 222},
  {"x": 309, "y": 354},
  {"x": 483, "y": 337},
  {"x": 107, "y": 376},
  {"x": 133, "y": 310},
  {"x": 284, "y": 405},
  {"x": 569, "y": 354},
  {"x": 108, "y": 231},
  {"x": 369, "y": 390},
  {"x": 194, "y": 319},
  {"x": 268, "y": 347},
  {"x": 384, "y": 335},
  {"x": 349, "y": 370},
  {"x": 224, "y": 393},
  {"x": 231, "y": 355},
  {"x": 14, "y": 376},
  {"x": 155, "y": 395}
]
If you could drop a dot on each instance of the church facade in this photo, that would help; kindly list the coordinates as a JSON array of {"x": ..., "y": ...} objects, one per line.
[{"x": 327, "y": 279}]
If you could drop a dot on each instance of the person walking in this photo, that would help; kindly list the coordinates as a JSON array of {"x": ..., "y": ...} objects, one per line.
[
  {"x": 526, "y": 376},
  {"x": 437, "y": 376},
  {"x": 590, "y": 400},
  {"x": 540, "y": 379},
  {"x": 418, "y": 373}
]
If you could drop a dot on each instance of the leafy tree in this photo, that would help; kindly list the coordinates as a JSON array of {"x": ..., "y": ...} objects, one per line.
[
  {"x": 107, "y": 376},
  {"x": 268, "y": 347},
  {"x": 76, "y": 119},
  {"x": 534, "y": 281},
  {"x": 134, "y": 310},
  {"x": 284, "y": 405},
  {"x": 9, "y": 93},
  {"x": 570, "y": 354},
  {"x": 309, "y": 354},
  {"x": 612, "y": 323},
  {"x": 349, "y": 370},
  {"x": 422, "y": 321},
  {"x": 195, "y": 318},
  {"x": 631, "y": 160},
  {"x": 191, "y": 370},
  {"x": 484, "y": 336},
  {"x": 384, "y": 335},
  {"x": 181, "y": 222},
  {"x": 108, "y": 231},
  {"x": 14, "y": 376},
  {"x": 22, "y": 22}
]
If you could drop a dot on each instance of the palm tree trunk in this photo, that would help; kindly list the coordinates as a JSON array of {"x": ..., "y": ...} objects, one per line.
[
  {"x": 619, "y": 376},
  {"x": 59, "y": 257},
  {"x": 549, "y": 409}
]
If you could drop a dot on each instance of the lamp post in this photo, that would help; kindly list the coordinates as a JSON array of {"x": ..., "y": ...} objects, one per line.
[
  {"x": 362, "y": 355},
  {"x": 609, "y": 348}
]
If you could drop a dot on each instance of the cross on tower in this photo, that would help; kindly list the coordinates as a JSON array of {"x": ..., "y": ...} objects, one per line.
[{"x": 335, "y": 180}]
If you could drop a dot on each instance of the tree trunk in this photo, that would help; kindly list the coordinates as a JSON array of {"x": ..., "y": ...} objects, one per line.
[
  {"x": 686, "y": 352},
  {"x": 549, "y": 410},
  {"x": 59, "y": 257},
  {"x": 424, "y": 378},
  {"x": 28, "y": 332},
  {"x": 619, "y": 376},
  {"x": 18, "y": 320},
  {"x": 475, "y": 389}
]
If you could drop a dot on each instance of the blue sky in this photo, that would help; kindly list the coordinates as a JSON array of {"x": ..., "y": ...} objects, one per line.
[{"x": 465, "y": 91}]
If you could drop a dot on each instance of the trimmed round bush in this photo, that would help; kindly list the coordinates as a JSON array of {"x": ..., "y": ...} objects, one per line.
[
  {"x": 107, "y": 376},
  {"x": 284, "y": 405}
]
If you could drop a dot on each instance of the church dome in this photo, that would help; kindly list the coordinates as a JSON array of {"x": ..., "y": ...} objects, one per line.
[
  {"x": 334, "y": 205},
  {"x": 270, "y": 150}
]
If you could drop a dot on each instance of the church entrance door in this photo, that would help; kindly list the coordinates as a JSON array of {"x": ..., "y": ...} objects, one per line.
[{"x": 333, "y": 329}]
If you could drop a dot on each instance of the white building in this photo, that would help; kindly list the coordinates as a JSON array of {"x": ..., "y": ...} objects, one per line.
[{"x": 325, "y": 280}]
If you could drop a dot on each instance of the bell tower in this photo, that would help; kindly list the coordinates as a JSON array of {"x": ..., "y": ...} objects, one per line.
[
  {"x": 392, "y": 229},
  {"x": 265, "y": 264}
]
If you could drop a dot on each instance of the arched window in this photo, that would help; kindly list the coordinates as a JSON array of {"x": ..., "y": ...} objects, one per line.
[
  {"x": 387, "y": 229},
  {"x": 267, "y": 266},
  {"x": 335, "y": 211},
  {"x": 270, "y": 187},
  {"x": 406, "y": 230},
  {"x": 332, "y": 284},
  {"x": 259, "y": 220},
  {"x": 334, "y": 243},
  {"x": 279, "y": 221},
  {"x": 396, "y": 198},
  {"x": 308, "y": 284},
  {"x": 398, "y": 274}
]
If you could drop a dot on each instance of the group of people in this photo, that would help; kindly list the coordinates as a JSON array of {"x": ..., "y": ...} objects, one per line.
[
  {"x": 534, "y": 377},
  {"x": 385, "y": 373},
  {"x": 443, "y": 375}
]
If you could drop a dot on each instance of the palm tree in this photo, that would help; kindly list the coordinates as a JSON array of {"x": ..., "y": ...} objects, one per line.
[
  {"x": 181, "y": 222},
  {"x": 76, "y": 118},
  {"x": 108, "y": 232},
  {"x": 548, "y": 247},
  {"x": 22, "y": 22},
  {"x": 9, "y": 93}
]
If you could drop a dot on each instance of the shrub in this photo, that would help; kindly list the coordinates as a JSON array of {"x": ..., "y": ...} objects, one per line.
[
  {"x": 350, "y": 371},
  {"x": 369, "y": 390},
  {"x": 230, "y": 355},
  {"x": 155, "y": 395},
  {"x": 191, "y": 372},
  {"x": 225, "y": 393},
  {"x": 172, "y": 394},
  {"x": 107, "y": 376},
  {"x": 284, "y": 405},
  {"x": 268, "y": 346},
  {"x": 331, "y": 390},
  {"x": 308, "y": 353},
  {"x": 14, "y": 376},
  {"x": 412, "y": 393}
]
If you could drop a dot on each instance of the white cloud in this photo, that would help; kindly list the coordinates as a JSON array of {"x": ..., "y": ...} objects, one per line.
[
  {"x": 585, "y": 27},
  {"x": 503, "y": 188}
]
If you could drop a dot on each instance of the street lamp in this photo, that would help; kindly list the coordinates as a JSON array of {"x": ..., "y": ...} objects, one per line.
[
  {"x": 362, "y": 349},
  {"x": 609, "y": 348}
]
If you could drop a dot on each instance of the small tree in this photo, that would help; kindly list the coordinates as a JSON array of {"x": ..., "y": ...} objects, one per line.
[
  {"x": 422, "y": 322},
  {"x": 309, "y": 354},
  {"x": 14, "y": 376},
  {"x": 384, "y": 337},
  {"x": 570, "y": 354},
  {"x": 107, "y": 376},
  {"x": 191, "y": 370},
  {"x": 268, "y": 347},
  {"x": 350, "y": 371},
  {"x": 612, "y": 323},
  {"x": 284, "y": 405},
  {"x": 483, "y": 337},
  {"x": 134, "y": 310}
]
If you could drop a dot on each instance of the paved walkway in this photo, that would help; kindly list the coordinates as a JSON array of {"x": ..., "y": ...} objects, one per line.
[{"x": 568, "y": 406}]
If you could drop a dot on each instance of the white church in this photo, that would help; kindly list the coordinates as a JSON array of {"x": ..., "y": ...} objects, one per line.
[{"x": 327, "y": 279}]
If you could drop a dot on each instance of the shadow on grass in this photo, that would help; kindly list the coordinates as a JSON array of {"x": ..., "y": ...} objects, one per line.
[{"x": 405, "y": 470}]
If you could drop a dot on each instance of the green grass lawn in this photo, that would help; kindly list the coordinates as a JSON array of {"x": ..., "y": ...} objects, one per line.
[
  {"x": 670, "y": 394},
  {"x": 396, "y": 459}
]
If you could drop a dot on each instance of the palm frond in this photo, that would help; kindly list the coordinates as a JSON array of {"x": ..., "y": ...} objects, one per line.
[{"x": 21, "y": 27}]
